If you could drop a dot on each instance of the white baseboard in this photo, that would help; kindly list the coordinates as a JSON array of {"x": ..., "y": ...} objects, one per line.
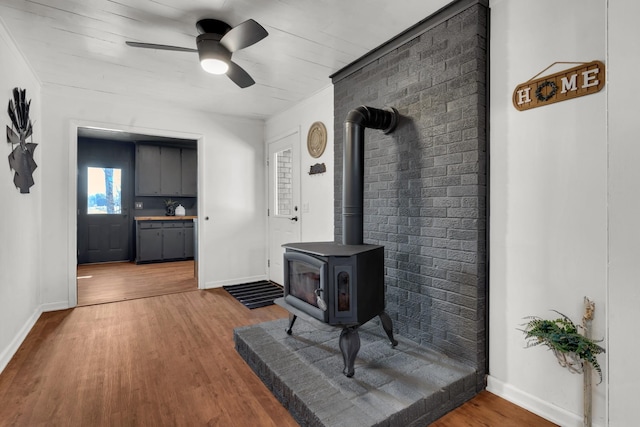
[
  {"x": 54, "y": 306},
  {"x": 239, "y": 281},
  {"x": 531, "y": 403},
  {"x": 12, "y": 348},
  {"x": 14, "y": 345}
]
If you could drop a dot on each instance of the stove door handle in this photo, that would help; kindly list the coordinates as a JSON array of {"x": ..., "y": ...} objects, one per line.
[{"x": 319, "y": 301}]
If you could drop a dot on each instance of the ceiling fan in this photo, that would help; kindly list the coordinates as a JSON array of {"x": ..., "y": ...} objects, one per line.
[{"x": 215, "y": 44}]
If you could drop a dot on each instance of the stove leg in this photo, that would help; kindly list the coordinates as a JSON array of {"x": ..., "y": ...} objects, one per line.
[
  {"x": 387, "y": 325},
  {"x": 292, "y": 320},
  {"x": 349, "y": 345}
]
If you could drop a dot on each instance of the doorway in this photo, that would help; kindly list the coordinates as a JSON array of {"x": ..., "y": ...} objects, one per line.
[
  {"x": 107, "y": 207},
  {"x": 283, "y": 168}
]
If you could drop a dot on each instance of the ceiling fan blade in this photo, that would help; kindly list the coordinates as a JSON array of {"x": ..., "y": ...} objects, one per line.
[
  {"x": 239, "y": 76},
  {"x": 243, "y": 35},
  {"x": 160, "y": 46}
]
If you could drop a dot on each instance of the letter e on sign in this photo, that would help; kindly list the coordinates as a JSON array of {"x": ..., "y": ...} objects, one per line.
[{"x": 584, "y": 79}]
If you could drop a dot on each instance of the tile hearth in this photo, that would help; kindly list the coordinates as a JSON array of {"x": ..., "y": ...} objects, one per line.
[{"x": 408, "y": 385}]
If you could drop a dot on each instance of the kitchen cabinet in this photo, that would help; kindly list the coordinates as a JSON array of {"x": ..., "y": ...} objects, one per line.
[
  {"x": 170, "y": 171},
  {"x": 158, "y": 240},
  {"x": 189, "y": 170},
  {"x": 166, "y": 171},
  {"x": 149, "y": 241},
  {"x": 189, "y": 240},
  {"x": 172, "y": 240},
  {"x": 147, "y": 170}
]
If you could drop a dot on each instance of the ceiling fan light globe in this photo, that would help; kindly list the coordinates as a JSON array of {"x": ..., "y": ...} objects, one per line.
[
  {"x": 214, "y": 66},
  {"x": 214, "y": 58}
]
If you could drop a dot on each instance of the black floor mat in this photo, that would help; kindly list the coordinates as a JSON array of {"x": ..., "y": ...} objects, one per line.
[{"x": 255, "y": 294}]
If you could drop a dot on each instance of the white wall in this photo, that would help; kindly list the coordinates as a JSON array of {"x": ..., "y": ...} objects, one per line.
[
  {"x": 230, "y": 168},
  {"x": 624, "y": 211},
  {"x": 316, "y": 191},
  {"x": 20, "y": 219},
  {"x": 548, "y": 224}
]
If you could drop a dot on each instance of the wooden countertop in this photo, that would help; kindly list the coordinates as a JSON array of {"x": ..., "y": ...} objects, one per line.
[{"x": 164, "y": 218}]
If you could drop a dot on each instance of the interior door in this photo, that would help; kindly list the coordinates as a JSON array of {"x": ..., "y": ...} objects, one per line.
[
  {"x": 104, "y": 194},
  {"x": 284, "y": 199}
]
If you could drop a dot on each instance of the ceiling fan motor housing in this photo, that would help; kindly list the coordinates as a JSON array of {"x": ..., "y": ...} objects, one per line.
[{"x": 212, "y": 26}]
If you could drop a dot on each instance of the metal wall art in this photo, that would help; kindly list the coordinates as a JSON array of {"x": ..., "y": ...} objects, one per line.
[
  {"x": 21, "y": 158},
  {"x": 317, "y": 168}
]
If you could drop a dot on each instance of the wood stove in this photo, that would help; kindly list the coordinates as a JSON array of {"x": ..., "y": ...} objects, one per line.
[{"x": 342, "y": 284}]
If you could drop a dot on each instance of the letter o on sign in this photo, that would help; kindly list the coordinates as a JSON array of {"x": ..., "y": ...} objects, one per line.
[{"x": 541, "y": 86}]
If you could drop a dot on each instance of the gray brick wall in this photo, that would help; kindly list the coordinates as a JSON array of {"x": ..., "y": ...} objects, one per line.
[{"x": 425, "y": 183}]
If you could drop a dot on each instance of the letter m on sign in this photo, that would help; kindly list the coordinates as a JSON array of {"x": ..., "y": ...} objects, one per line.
[{"x": 569, "y": 83}]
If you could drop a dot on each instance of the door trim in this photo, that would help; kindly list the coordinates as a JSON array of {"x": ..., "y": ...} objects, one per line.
[{"x": 72, "y": 220}]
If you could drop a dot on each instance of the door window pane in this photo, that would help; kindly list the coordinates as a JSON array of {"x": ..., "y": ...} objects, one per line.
[
  {"x": 284, "y": 189},
  {"x": 104, "y": 191}
]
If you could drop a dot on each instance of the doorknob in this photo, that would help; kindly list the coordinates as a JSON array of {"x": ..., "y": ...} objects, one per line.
[{"x": 295, "y": 218}]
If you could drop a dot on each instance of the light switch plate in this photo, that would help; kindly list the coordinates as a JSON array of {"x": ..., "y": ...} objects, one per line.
[{"x": 138, "y": 205}]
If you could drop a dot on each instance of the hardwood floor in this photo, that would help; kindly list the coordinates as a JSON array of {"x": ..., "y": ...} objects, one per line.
[
  {"x": 160, "y": 361},
  {"x": 120, "y": 281},
  {"x": 489, "y": 410},
  {"x": 164, "y": 361}
]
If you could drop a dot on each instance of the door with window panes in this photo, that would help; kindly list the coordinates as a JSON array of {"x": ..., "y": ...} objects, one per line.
[
  {"x": 284, "y": 199},
  {"x": 104, "y": 193}
]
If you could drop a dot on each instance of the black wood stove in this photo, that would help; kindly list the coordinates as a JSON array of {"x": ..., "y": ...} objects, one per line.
[{"x": 342, "y": 284}]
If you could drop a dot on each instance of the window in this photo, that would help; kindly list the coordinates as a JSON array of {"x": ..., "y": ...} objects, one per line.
[
  {"x": 284, "y": 183},
  {"x": 104, "y": 191}
]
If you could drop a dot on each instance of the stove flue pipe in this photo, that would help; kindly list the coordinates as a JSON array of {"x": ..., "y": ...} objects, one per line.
[{"x": 353, "y": 166}]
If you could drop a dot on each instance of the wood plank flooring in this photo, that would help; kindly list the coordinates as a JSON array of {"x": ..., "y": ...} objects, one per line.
[
  {"x": 160, "y": 361},
  {"x": 164, "y": 361},
  {"x": 120, "y": 281},
  {"x": 489, "y": 410}
]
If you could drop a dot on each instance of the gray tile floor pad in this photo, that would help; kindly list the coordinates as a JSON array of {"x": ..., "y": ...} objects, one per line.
[{"x": 406, "y": 386}]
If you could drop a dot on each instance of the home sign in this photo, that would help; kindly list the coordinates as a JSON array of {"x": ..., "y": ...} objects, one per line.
[{"x": 584, "y": 79}]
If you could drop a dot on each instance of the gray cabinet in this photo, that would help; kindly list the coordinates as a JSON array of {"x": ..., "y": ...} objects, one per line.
[
  {"x": 172, "y": 240},
  {"x": 170, "y": 171},
  {"x": 189, "y": 240},
  {"x": 149, "y": 241},
  {"x": 164, "y": 240},
  {"x": 166, "y": 171},
  {"x": 147, "y": 170},
  {"x": 189, "y": 170}
]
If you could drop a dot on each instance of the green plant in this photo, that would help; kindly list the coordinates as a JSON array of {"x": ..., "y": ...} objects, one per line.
[{"x": 561, "y": 336}]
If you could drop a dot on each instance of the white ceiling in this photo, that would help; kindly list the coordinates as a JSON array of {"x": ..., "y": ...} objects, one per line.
[{"x": 81, "y": 44}]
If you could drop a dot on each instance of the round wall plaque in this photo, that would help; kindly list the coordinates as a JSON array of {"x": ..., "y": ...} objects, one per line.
[{"x": 317, "y": 139}]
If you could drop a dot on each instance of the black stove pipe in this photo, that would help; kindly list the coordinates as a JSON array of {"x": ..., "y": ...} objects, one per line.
[{"x": 353, "y": 166}]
